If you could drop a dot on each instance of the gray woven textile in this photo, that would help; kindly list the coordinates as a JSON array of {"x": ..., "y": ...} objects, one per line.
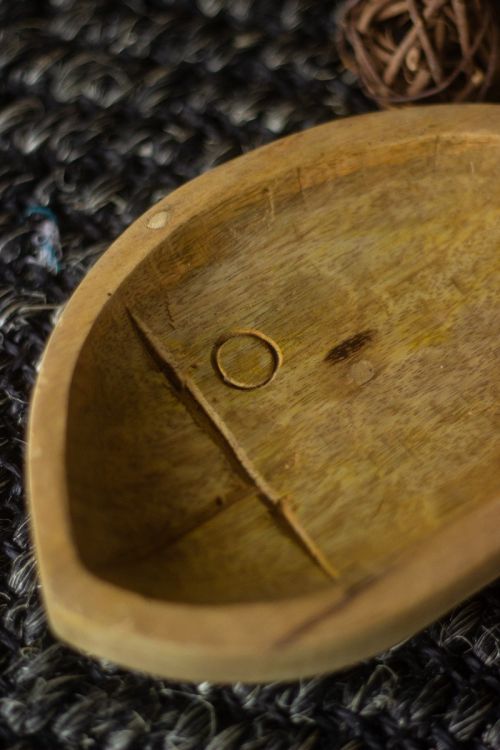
[{"x": 105, "y": 107}]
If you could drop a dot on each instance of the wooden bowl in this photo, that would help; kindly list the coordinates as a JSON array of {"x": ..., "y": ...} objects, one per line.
[{"x": 264, "y": 438}]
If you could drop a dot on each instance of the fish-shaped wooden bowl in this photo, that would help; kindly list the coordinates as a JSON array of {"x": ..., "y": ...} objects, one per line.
[{"x": 264, "y": 438}]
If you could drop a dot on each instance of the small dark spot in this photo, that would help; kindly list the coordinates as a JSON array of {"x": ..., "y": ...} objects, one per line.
[
  {"x": 349, "y": 347},
  {"x": 219, "y": 501}
]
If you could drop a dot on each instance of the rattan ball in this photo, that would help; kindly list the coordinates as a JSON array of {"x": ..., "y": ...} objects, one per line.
[{"x": 421, "y": 50}]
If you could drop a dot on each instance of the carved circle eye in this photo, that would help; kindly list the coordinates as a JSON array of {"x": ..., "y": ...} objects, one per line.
[{"x": 246, "y": 359}]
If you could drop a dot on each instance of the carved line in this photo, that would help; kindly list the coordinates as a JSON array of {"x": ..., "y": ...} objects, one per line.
[
  {"x": 251, "y": 333},
  {"x": 188, "y": 393}
]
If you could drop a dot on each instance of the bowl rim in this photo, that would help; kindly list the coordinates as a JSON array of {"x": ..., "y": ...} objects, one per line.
[{"x": 286, "y": 639}]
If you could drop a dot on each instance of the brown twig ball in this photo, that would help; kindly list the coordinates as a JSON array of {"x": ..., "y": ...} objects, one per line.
[{"x": 421, "y": 50}]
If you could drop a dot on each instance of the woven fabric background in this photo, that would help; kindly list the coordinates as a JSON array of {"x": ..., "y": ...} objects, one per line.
[{"x": 106, "y": 106}]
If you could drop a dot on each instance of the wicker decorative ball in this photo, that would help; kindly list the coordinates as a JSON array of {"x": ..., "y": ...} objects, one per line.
[{"x": 421, "y": 50}]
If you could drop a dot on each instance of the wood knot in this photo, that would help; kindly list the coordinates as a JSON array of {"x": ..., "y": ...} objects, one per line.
[
  {"x": 158, "y": 220},
  {"x": 362, "y": 371},
  {"x": 349, "y": 346}
]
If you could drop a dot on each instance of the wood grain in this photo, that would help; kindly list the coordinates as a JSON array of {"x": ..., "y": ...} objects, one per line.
[{"x": 275, "y": 401}]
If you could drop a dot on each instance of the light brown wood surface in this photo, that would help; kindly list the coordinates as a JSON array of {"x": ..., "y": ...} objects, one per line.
[{"x": 264, "y": 439}]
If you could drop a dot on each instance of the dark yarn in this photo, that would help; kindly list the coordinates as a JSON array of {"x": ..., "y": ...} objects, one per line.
[{"x": 106, "y": 106}]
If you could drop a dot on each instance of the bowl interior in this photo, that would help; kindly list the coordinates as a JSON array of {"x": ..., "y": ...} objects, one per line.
[{"x": 369, "y": 302}]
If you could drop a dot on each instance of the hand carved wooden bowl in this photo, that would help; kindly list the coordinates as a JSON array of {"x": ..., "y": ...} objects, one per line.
[{"x": 264, "y": 438}]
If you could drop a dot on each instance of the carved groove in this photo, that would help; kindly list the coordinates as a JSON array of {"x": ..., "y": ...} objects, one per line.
[{"x": 207, "y": 418}]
